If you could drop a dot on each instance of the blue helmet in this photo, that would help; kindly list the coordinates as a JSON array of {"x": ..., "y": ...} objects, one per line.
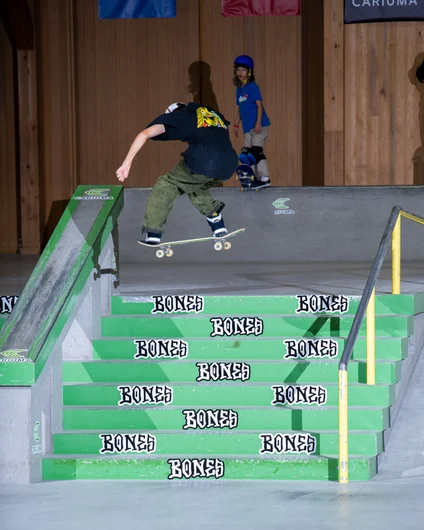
[{"x": 243, "y": 60}]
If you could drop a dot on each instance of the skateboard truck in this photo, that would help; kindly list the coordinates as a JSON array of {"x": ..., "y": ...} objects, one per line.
[{"x": 246, "y": 176}]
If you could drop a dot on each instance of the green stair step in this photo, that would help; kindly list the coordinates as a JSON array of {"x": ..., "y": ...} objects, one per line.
[
  {"x": 187, "y": 372},
  {"x": 273, "y": 326},
  {"x": 264, "y": 420},
  {"x": 369, "y": 443},
  {"x": 393, "y": 348},
  {"x": 226, "y": 395},
  {"x": 313, "y": 468},
  {"x": 405, "y": 304}
]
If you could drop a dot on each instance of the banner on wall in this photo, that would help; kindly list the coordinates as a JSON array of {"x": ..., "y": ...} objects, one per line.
[
  {"x": 357, "y": 11},
  {"x": 137, "y": 9},
  {"x": 252, "y": 8}
]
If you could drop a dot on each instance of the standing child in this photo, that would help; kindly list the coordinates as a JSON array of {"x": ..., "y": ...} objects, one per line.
[{"x": 255, "y": 121}]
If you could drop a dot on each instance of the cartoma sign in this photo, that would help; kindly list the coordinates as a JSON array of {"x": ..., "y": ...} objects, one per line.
[{"x": 383, "y": 10}]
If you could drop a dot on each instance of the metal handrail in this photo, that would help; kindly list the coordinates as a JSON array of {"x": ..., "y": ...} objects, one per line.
[{"x": 368, "y": 296}]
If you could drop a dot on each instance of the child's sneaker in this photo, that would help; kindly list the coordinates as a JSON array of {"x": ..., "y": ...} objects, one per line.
[
  {"x": 216, "y": 222},
  {"x": 263, "y": 183},
  {"x": 151, "y": 238}
]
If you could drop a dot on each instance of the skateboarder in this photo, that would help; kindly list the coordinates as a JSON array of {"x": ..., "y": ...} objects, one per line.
[
  {"x": 251, "y": 113},
  {"x": 209, "y": 160}
]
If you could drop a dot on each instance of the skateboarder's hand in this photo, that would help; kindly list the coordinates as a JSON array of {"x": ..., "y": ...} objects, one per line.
[
  {"x": 236, "y": 131},
  {"x": 122, "y": 172},
  {"x": 258, "y": 128}
]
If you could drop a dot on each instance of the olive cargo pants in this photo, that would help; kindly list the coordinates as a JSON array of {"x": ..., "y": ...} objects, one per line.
[{"x": 169, "y": 187}]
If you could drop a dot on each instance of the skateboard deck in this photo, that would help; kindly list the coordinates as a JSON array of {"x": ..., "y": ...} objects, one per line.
[
  {"x": 245, "y": 176},
  {"x": 164, "y": 248}
]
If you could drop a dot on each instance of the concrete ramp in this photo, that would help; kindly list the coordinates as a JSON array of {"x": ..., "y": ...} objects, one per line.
[{"x": 284, "y": 225}]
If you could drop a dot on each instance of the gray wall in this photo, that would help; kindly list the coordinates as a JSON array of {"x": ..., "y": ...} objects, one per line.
[{"x": 343, "y": 224}]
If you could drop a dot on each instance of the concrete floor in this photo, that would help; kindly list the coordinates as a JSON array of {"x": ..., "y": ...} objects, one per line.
[
  {"x": 167, "y": 277},
  {"x": 389, "y": 504},
  {"x": 393, "y": 499}
]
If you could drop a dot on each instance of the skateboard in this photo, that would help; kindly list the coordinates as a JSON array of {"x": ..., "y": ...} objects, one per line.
[
  {"x": 246, "y": 177},
  {"x": 164, "y": 249}
]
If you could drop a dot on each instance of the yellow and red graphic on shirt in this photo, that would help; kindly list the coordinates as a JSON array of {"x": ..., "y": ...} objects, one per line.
[{"x": 209, "y": 118}]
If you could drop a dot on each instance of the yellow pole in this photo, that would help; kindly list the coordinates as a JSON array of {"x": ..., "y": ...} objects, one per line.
[
  {"x": 343, "y": 429},
  {"x": 396, "y": 258},
  {"x": 371, "y": 339}
]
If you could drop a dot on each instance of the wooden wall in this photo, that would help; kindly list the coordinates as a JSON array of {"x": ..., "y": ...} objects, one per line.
[
  {"x": 382, "y": 125},
  {"x": 275, "y": 45},
  {"x": 373, "y": 103},
  {"x": 128, "y": 72},
  {"x": 56, "y": 109},
  {"x": 343, "y": 100},
  {"x": 8, "y": 196}
]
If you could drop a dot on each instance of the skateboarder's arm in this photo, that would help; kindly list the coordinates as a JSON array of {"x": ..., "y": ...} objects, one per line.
[
  {"x": 140, "y": 140},
  {"x": 236, "y": 124}
]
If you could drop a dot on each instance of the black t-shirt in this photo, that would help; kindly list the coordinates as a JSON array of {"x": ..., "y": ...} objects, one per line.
[{"x": 210, "y": 151}]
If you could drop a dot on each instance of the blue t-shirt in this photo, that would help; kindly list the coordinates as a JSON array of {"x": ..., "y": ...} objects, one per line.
[{"x": 246, "y": 97}]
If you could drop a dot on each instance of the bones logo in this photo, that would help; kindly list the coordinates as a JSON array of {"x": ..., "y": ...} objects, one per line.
[
  {"x": 210, "y": 419},
  {"x": 287, "y": 443},
  {"x": 236, "y": 326},
  {"x": 127, "y": 443},
  {"x": 196, "y": 468}
]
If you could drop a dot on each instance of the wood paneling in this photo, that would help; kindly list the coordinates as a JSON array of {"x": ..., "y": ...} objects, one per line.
[
  {"x": 344, "y": 103},
  {"x": 275, "y": 45},
  {"x": 58, "y": 171},
  {"x": 333, "y": 97},
  {"x": 313, "y": 93},
  {"x": 383, "y": 144},
  {"x": 128, "y": 72},
  {"x": 28, "y": 152},
  {"x": 8, "y": 199}
]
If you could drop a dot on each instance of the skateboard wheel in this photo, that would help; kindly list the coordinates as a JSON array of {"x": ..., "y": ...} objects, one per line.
[
  {"x": 218, "y": 245},
  {"x": 160, "y": 253},
  {"x": 227, "y": 245},
  {"x": 169, "y": 253}
]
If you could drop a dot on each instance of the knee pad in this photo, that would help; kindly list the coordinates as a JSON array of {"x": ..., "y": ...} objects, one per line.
[
  {"x": 246, "y": 156},
  {"x": 258, "y": 153}
]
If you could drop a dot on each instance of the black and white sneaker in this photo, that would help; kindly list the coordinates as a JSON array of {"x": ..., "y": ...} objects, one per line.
[
  {"x": 151, "y": 238},
  {"x": 217, "y": 225},
  {"x": 263, "y": 183}
]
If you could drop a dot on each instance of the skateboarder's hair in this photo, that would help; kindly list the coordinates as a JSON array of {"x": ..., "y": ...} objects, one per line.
[{"x": 236, "y": 81}]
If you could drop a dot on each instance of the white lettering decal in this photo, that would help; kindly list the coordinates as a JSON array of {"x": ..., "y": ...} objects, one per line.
[
  {"x": 178, "y": 304},
  {"x": 145, "y": 395},
  {"x": 155, "y": 348},
  {"x": 333, "y": 303},
  {"x": 287, "y": 443},
  {"x": 196, "y": 468},
  {"x": 307, "y": 348},
  {"x": 210, "y": 419},
  {"x": 127, "y": 443},
  {"x": 299, "y": 395},
  {"x": 231, "y": 326},
  {"x": 7, "y": 303},
  {"x": 231, "y": 371}
]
